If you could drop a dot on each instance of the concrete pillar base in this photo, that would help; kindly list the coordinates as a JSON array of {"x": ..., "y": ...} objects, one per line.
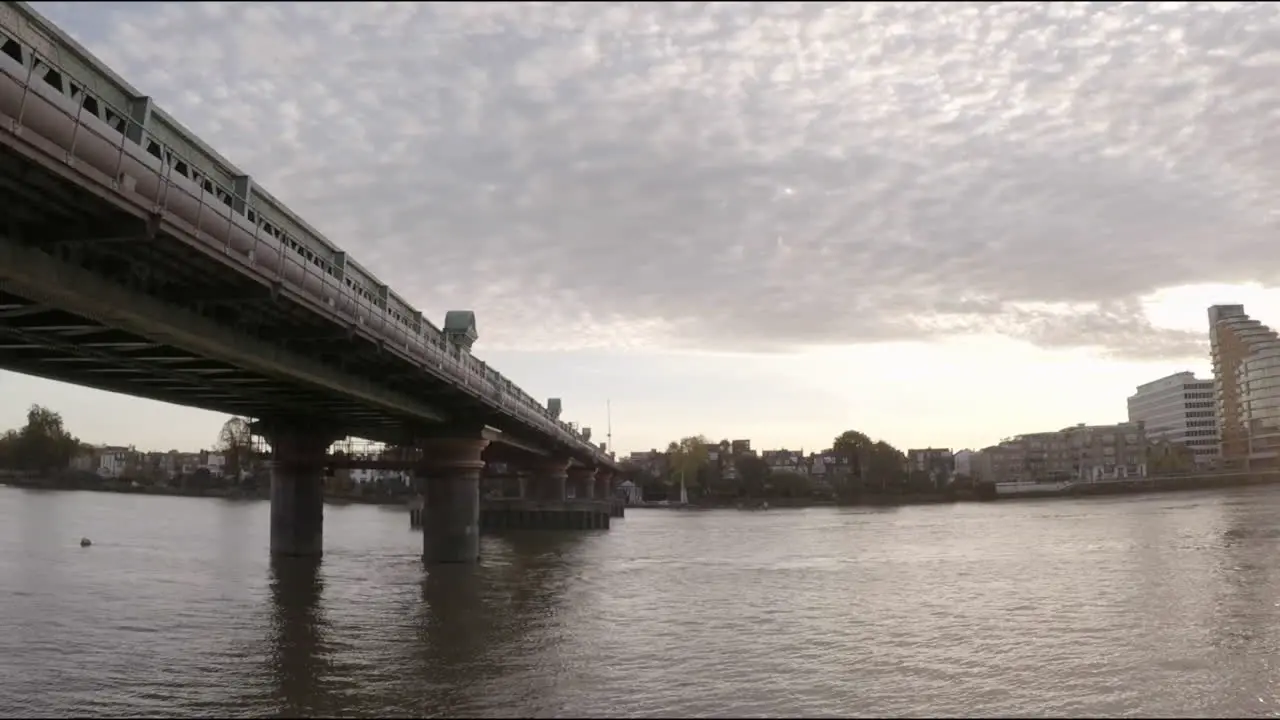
[
  {"x": 451, "y": 522},
  {"x": 550, "y": 480},
  {"x": 604, "y": 484},
  {"x": 583, "y": 481},
  {"x": 297, "y": 491},
  {"x": 533, "y": 515}
]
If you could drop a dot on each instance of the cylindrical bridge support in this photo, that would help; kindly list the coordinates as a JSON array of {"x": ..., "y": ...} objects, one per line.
[
  {"x": 550, "y": 479},
  {"x": 604, "y": 484},
  {"x": 451, "y": 522},
  {"x": 583, "y": 481},
  {"x": 297, "y": 490}
]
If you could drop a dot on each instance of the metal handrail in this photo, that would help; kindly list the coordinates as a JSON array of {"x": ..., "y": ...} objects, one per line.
[{"x": 447, "y": 361}]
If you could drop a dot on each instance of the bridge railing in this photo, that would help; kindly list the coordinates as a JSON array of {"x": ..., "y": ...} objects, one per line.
[{"x": 211, "y": 210}]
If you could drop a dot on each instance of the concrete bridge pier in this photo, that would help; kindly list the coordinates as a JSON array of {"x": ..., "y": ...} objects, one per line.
[
  {"x": 604, "y": 483},
  {"x": 550, "y": 479},
  {"x": 451, "y": 526},
  {"x": 297, "y": 490},
  {"x": 583, "y": 481},
  {"x": 546, "y": 506}
]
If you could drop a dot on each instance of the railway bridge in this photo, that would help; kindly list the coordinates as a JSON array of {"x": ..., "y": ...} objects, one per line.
[{"x": 135, "y": 259}]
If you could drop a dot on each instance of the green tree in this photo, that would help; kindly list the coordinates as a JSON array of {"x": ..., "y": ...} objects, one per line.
[
  {"x": 853, "y": 448},
  {"x": 886, "y": 467},
  {"x": 9, "y": 450},
  {"x": 874, "y": 465},
  {"x": 718, "y": 475},
  {"x": 753, "y": 473},
  {"x": 42, "y": 445},
  {"x": 920, "y": 481},
  {"x": 686, "y": 457},
  {"x": 790, "y": 484},
  {"x": 1164, "y": 458}
]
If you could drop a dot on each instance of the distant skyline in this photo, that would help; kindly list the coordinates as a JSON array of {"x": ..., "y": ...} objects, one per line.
[{"x": 937, "y": 223}]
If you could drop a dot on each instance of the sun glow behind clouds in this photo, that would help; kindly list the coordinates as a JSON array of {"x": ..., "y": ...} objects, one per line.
[{"x": 1184, "y": 308}]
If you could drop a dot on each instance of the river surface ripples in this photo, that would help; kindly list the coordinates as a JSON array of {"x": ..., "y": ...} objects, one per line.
[{"x": 1158, "y": 605}]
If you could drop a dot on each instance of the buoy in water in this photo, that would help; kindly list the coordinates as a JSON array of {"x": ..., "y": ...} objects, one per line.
[{"x": 85, "y": 542}]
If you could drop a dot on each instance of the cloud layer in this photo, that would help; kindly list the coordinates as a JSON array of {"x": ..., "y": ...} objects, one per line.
[{"x": 748, "y": 175}]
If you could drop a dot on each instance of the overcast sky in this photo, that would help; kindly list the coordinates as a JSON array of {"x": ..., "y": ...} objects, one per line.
[{"x": 939, "y": 223}]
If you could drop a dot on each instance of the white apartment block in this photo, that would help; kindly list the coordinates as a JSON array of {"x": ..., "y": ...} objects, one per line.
[
  {"x": 1179, "y": 408},
  {"x": 113, "y": 461}
]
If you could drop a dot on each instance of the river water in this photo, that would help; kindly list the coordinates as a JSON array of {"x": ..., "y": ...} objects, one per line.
[{"x": 1156, "y": 605}]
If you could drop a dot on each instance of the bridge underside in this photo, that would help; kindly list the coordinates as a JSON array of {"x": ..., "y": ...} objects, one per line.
[
  {"x": 73, "y": 262},
  {"x": 61, "y": 346}
]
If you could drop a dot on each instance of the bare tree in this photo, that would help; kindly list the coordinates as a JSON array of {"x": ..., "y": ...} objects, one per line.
[{"x": 235, "y": 441}]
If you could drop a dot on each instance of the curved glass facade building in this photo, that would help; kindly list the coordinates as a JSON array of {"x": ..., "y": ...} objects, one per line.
[{"x": 1246, "y": 381}]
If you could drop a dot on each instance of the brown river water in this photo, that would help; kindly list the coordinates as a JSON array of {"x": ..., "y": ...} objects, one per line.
[{"x": 1158, "y": 605}]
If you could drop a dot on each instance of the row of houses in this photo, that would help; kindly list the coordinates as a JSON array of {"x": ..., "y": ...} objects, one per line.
[
  {"x": 113, "y": 462},
  {"x": 1080, "y": 453},
  {"x": 824, "y": 469}
]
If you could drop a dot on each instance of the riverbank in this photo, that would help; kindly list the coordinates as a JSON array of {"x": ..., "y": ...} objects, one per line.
[
  {"x": 885, "y": 500},
  {"x": 982, "y": 493},
  {"x": 1173, "y": 483},
  {"x": 987, "y": 492}
]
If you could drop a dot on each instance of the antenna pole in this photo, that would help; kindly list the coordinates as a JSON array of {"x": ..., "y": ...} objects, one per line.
[{"x": 608, "y": 413}]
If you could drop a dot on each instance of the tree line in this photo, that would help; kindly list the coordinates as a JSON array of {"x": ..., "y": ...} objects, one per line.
[
  {"x": 42, "y": 445},
  {"x": 865, "y": 467}
]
